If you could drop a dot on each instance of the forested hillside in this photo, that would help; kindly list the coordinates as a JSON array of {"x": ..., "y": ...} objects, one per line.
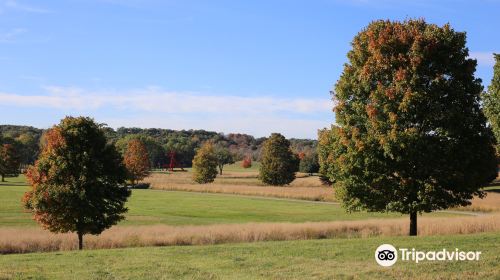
[{"x": 160, "y": 143}]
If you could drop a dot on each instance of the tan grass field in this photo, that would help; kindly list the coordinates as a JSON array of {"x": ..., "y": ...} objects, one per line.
[
  {"x": 244, "y": 183},
  {"x": 490, "y": 203},
  {"x": 24, "y": 240}
]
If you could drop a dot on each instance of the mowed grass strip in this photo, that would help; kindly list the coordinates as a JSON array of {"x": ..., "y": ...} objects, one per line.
[{"x": 312, "y": 259}]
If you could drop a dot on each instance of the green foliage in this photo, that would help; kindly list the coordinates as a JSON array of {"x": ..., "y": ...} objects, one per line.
[
  {"x": 223, "y": 157},
  {"x": 9, "y": 161},
  {"x": 278, "y": 162},
  {"x": 205, "y": 164},
  {"x": 77, "y": 181},
  {"x": 412, "y": 137},
  {"x": 492, "y": 103},
  {"x": 159, "y": 143},
  {"x": 25, "y": 139},
  {"x": 309, "y": 163}
]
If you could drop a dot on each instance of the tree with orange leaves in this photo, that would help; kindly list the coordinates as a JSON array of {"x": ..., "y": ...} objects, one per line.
[
  {"x": 77, "y": 183},
  {"x": 136, "y": 160},
  {"x": 410, "y": 133}
]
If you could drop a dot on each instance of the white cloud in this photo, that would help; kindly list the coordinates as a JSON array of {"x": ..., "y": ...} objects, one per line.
[
  {"x": 156, "y": 100},
  {"x": 154, "y": 107},
  {"x": 483, "y": 58}
]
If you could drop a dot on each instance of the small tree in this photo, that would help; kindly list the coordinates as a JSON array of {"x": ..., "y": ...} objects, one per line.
[
  {"x": 411, "y": 134},
  {"x": 223, "y": 157},
  {"x": 279, "y": 163},
  {"x": 205, "y": 164},
  {"x": 247, "y": 162},
  {"x": 9, "y": 161},
  {"x": 77, "y": 181},
  {"x": 309, "y": 163},
  {"x": 136, "y": 160},
  {"x": 492, "y": 103}
]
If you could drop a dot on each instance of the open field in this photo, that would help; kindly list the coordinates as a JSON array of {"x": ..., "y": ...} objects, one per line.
[
  {"x": 159, "y": 218},
  {"x": 150, "y": 207},
  {"x": 244, "y": 183},
  {"x": 312, "y": 259}
]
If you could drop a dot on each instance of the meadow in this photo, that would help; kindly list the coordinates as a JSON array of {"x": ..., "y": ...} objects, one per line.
[
  {"x": 244, "y": 181},
  {"x": 168, "y": 218},
  {"x": 310, "y": 259}
]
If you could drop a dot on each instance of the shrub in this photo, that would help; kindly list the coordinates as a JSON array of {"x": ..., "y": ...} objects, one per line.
[{"x": 247, "y": 162}]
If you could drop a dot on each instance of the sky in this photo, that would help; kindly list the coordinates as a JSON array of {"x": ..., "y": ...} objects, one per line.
[{"x": 255, "y": 66}]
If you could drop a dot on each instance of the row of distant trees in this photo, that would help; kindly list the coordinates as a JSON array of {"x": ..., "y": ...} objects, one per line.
[{"x": 159, "y": 143}]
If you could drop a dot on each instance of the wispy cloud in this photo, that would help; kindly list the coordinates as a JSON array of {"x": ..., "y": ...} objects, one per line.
[
  {"x": 483, "y": 58},
  {"x": 154, "y": 99},
  {"x": 16, "y": 5},
  {"x": 11, "y": 35},
  {"x": 154, "y": 107}
]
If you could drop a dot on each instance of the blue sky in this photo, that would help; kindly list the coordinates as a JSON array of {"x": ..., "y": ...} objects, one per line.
[{"x": 229, "y": 66}]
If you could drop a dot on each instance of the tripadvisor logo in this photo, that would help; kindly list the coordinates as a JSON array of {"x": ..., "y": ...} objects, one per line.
[{"x": 387, "y": 255}]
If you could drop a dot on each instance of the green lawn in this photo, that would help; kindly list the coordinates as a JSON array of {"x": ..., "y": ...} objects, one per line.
[
  {"x": 312, "y": 259},
  {"x": 147, "y": 207}
]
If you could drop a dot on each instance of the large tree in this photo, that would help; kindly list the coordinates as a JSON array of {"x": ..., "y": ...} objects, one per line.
[
  {"x": 9, "y": 161},
  {"x": 205, "y": 164},
  {"x": 492, "y": 102},
  {"x": 278, "y": 163},
  {"x": 411, "y": 134},
  {"x": 77, "y": 183},
  {"x": 136, "y": 160}
]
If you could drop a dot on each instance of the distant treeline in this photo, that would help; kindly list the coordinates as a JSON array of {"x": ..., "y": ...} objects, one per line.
[{"x": 160, "y": 143}]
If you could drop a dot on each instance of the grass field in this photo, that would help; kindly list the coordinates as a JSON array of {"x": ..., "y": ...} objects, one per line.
[
  {"x": 148, "y": 207},
  {"x": 237, "y": 180},
  {"x": 312, "y": 259},
  {"x": 159, "y": 218}
]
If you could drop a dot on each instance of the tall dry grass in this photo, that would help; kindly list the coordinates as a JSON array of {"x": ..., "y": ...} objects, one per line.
[
  {"x": 24, "y": 240},
  {"x": 488, "y": 204},
  {"x": 305, "y": 188}
]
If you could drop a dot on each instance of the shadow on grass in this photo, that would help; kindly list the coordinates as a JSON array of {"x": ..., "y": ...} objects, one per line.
[{"x": 7, "y": 183}]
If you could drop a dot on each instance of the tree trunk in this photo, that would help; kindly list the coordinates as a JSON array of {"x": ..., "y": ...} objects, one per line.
[
  {"x": 220, "y": 169},
  {"x": 3, "y": 178},
  {"x": 80, "y": 240},
  {"x": 413, "y": 223}
]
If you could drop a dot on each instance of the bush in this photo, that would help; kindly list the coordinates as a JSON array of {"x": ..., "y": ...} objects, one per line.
[{"x": 247, "y": 162}]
